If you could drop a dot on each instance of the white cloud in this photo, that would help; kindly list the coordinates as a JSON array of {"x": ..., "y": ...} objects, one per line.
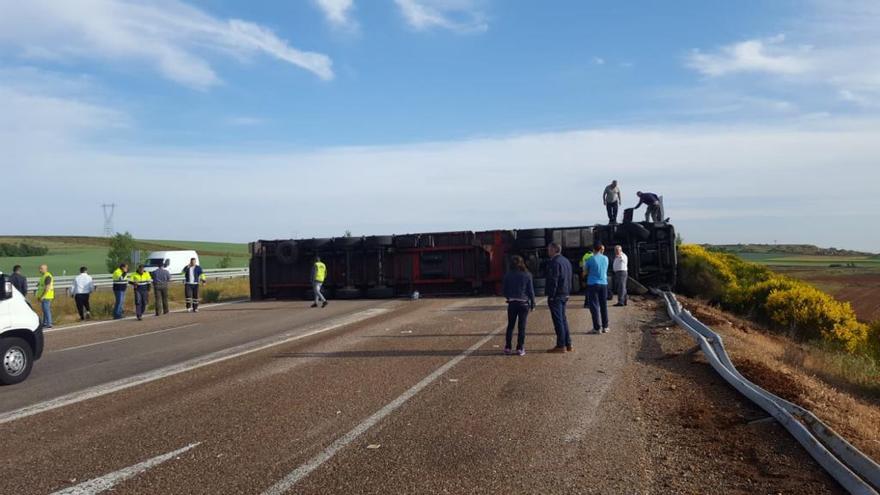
[
  {"x": 455, "y": 15},
  {"x": 337, "y": 12},
  {"x": 244, "y": 121},
  {"x": 757, "y": 55},
  {"x": 831, "y": 61},
  {"x": 171, "y": 36},
  {"x": 598, "y": 60}
]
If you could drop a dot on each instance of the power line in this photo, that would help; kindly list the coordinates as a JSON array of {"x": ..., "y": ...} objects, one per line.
[{"x": 109, "y": 209}]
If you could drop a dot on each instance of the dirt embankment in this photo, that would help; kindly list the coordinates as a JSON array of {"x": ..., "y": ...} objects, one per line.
[{"x": 791, "y": 371}]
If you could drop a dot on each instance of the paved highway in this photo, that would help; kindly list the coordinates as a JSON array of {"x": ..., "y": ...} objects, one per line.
[{"x": 360, "y": 397}]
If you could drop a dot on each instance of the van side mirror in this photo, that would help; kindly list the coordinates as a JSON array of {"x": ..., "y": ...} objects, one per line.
[{"x": 5, "y": 288}]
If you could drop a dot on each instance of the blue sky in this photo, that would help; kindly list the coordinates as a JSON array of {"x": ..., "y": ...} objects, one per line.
[{"x": 758, "y": 120}]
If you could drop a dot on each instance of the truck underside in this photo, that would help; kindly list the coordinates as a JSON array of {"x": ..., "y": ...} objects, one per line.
[{"x": 451, "y": 263}]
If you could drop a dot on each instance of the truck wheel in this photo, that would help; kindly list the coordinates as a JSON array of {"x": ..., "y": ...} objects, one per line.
[
  {"x": 348, "y": 293},
  {"x": 347, "y": 241},
  {"x": 637, "y": 230},
  {"x": 379, "y": 241},
  {"x": 286, "y": 252},
  {"x": 522, "y": 234},
  {"x": 539, "y": 283},
  {"x": 16, "y": 360},
  {"x": 531, "y": 243}
]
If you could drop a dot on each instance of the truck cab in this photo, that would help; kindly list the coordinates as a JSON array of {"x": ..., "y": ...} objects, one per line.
[{"x": 21, "y": 335}]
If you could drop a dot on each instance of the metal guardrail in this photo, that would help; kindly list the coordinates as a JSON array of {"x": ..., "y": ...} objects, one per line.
[
  {"x": 855, "y": 471},
  {"x": 105, "y": 280}
]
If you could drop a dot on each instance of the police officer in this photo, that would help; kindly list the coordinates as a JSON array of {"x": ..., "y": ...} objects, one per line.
[
  {"x": 120, "y": 284},
  {"x": 141, "y": 281},
  {"x": 319, "y": 274}
]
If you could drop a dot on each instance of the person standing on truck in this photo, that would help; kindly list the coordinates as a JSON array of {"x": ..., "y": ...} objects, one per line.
[
  {"x": 621, "y": 274},
  {"x": 192, "y": 277},
  {"x": 82, "y": 289},
  {"x": 611, "y": 198},
  {"x": 597, "y": 289},
  {"x": 120, "y": 285},
  {"x": 141, "y": 281},
  {"x": 520, "y": 294},
  {"x": 319, "y": 274},
  {"x": 558, "y": 290},
  {"x": 18, "y": 280},
  {"x": 46, "y": 294},
  {"x": 652, "y": 201},
  {"x": 161, "y": 278}
]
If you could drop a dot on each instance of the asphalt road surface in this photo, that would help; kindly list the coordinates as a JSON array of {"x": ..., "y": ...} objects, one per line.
[{"x": 359, "y": 397}]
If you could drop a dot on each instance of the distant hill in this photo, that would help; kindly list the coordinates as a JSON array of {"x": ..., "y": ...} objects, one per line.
[{"x": 786, "y": 249}]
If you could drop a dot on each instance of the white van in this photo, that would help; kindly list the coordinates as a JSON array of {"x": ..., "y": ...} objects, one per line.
[
  {"x": 173, "y": 261},
  {"x": 21, "y": 335}
]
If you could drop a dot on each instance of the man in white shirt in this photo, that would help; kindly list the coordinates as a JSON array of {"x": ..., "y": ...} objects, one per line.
[
  {"x": 82, "y": 288},
  {"x": 611, "y": 199},
  {"x": 620, "y": 274}
]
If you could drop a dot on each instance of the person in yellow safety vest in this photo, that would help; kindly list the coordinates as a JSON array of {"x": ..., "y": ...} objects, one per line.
[
  {"x": 192, "y": 276},
  {"x": 46, "y": 294},
  {"x": 319, "y": 274},
  {"x": 120, "y": 284},
  {"x": 141, "y": 281}
]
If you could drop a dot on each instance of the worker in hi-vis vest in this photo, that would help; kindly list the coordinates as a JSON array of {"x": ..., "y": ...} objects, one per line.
[
  {"x": 120, "y": 284},
  {"x": 319, "y": 274},
  {"x": 141, "y": 281},
  {"x": 46, "y": 294}
]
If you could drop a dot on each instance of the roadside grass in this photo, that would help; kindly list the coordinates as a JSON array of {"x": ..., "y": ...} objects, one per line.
[
  {"x": 64, "y": 308},
  {"x": 67, "y": 254},
  {"x": 797, "y": 260}
]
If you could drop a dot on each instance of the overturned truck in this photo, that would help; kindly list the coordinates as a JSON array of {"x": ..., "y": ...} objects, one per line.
[{"x": 451, "y": 263}]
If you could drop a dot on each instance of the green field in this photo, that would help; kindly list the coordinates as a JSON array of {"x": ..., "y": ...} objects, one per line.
[
  {"x": 798, "y": 260},
  {"x": 67, "y": 254}
]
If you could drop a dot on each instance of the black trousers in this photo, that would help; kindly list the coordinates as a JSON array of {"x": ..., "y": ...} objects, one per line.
[
  {"x": 141, "y": 297},
  {"x": 517, "y": 311},
  {"x": 611, "y": 208},
  {"x": 161, "y": 300},
  {"x": 191, "y": 293},
  {"x": 597, "y": 297},
  {"x": 82, "y": 305}
]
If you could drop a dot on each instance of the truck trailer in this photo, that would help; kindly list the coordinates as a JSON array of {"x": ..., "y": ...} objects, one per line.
[{"x": 464, "y": 263}]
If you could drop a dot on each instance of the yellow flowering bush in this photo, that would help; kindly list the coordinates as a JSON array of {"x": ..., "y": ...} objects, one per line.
[{"x": 783, "y": 302}]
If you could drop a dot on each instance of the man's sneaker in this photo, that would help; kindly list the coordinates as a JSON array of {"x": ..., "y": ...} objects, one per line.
[
  {"x": 594, "y": 331},
  {"x": 315, "y": 305},
  {"x": 195, "y": 310},
  {"x": 324, "y": 305},
  {"x": 88, "y": 315},
  {"x": 619, "y": 305},
  {"x": 520, "y": 352},
  {"x": 569, "y": 348},
  {"x": 605, "y": 330},
  {"x": 507, "y": 351},
  {"x": 557, "y": 350}
]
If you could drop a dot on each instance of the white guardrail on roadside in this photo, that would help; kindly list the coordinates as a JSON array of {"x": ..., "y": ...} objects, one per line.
[
  {"x": 105, "y": 280},
  {"x": 855, "y": 471}
]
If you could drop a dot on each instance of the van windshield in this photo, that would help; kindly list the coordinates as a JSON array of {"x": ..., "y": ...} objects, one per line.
[{"x": 156, "y": 262}]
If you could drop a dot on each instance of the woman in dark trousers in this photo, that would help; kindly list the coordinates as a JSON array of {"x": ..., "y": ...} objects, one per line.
[{"x": 520, "y": 294}]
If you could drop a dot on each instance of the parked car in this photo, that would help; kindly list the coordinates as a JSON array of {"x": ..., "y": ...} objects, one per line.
[
  {"x": 21, "y": 335},
  {"x": 173, "y": 261}
]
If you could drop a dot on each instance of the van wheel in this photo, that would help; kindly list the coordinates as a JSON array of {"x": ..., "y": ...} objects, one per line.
[{"x": 16, "y": 360}]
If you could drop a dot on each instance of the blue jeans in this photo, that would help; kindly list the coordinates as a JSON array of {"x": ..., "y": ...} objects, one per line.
[
  {"x": 46, "y": 304},
  {"x": 560, "y": 321},
  {"x": 118, "y": 308},
  {"x": 517, "y": 311},
  {"x": 597, "y": 297},
  {"x": 141, "y": 295}
]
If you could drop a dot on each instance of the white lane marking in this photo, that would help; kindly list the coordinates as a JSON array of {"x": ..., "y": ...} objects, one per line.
[
  {"x": 174, "y": 369},
  {"x": 124, "y": 338},
  {"x": 107, "y": 482},
  {"x": 105, "y": 322},
  {"x": 315, "y": 462}
]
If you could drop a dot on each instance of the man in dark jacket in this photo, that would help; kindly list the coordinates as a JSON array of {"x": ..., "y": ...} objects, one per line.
[
  {"x": 18, "y": 280},
  {"x": 558, "y": 289},
  {"x": 653, "y": 203}
]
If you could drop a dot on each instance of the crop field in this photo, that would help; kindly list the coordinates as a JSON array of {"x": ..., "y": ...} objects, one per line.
[
  {"x": 855, "y": 279},
  {"x": 67, "y": 254}
]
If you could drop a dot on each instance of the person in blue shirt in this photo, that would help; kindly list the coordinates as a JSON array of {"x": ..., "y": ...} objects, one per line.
[{"x": 597, "y": 289}]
